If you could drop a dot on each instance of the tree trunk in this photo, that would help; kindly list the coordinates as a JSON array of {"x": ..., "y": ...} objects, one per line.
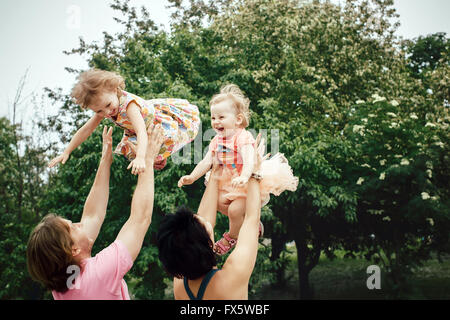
[
  {"x": 303, "y": 270},
  {"x": 278, "y": 246}
]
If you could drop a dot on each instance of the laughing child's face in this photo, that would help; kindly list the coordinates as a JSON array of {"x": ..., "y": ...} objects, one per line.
[
  {"x": 105, "y": 104},
  {"x": 224, "y": 118}
]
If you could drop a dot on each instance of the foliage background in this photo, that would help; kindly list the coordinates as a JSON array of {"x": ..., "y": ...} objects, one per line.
[{"x": 362, "y": 117}]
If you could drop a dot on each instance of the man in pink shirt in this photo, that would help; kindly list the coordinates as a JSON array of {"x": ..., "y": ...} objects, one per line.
[{"x": 59, "y": 251}]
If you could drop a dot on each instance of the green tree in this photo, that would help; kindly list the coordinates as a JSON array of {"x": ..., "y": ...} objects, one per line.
[
  {"x": 425, "y": 52},
  {"x": 22, "y": 185},
  {"x": 21, "y": 179},
  {"x": 402, "y": 188},
  {"x": 428, "y": 60},
  {"x": 304, "y": 66}
]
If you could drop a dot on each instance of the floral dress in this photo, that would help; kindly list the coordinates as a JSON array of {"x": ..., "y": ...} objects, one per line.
[{"x": 180, "y": 121}]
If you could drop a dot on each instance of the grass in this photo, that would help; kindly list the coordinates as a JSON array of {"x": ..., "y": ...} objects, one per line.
[{"x": 345, "y": 279}]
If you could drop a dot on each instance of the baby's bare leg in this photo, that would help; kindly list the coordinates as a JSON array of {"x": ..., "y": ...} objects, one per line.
[
  {"x": 236, "y": 213},
  {"x": 223, "y": 203}
]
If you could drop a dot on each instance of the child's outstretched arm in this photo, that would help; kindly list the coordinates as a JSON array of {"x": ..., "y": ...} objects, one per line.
[
  {"x": 138, "y": 164},
  {"x": 79, "y": 137},
  {"x": 199, "y": 171}
]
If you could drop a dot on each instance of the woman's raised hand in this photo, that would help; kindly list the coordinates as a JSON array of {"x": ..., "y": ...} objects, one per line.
[{"x": 259, "y": 151}]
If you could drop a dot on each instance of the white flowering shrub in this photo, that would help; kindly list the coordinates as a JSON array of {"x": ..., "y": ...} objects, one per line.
[{"x": 402, "y": 185}]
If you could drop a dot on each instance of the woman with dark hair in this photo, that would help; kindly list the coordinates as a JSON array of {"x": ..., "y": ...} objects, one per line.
[{"x": 185, "y": 241}]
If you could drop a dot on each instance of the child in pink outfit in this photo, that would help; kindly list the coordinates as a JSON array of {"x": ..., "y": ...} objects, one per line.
[
  {"x": 101, "y": 277},
  {"x": 276, "y": 171},
  {"x": 233, "y": 147},
  {"x": 228, "y": 152}
]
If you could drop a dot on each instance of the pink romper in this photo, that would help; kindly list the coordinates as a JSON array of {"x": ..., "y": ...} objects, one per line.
[{"x": 276, "y": 172}]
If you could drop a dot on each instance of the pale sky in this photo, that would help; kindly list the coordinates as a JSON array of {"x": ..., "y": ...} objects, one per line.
[{"x": 35, "y": 33}]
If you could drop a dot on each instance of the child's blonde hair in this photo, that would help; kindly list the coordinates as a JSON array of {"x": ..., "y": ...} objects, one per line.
[
  {"x": 240, "y": 101},
  {"x": 94, "y": 81}
]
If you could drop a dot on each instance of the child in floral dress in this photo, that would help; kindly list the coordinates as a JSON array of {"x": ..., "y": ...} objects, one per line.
[{"x": 103, "y": 92}]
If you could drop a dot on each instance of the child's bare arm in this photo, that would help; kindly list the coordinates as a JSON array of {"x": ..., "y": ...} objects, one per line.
[
  {"x": 247, "y": 152},
  {"x": 202, "y": 167},
  {"x": 79, "y": 137},
  {"x": 83, "y": 133},
  {"x": 133, "y": 112},
  {"x": 199, "y": 171}
]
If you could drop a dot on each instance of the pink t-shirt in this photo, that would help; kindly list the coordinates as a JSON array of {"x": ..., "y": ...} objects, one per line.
[{"x": 101, "y": 277}]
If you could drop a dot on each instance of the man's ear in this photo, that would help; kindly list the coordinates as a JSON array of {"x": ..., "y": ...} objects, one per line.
[{"x": 75, "y": 251}]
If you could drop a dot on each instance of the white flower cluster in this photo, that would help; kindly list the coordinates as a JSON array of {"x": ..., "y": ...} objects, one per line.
[
  {"x": 394, "y": 103},
  {"x": 378, "y": 98},
  {"x": 404, "y": 162},
  {"x": 358, "y": 129},
  {"x": 425, "y": 195},
  {"x": 393, "y": 125}
]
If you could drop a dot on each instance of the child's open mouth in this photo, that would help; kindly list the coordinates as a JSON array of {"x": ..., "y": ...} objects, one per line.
[{"x": 113, "y": 113}]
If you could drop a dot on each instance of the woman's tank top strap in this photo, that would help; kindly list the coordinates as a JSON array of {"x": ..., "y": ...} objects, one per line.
[{"x": 203, "y": 285}]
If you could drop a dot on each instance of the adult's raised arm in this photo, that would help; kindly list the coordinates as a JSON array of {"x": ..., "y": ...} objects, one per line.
[
  {"x": 97, "y": 201},
  {"x": 241, "y": 261},
  {"x": 208, "y": 205},
  {"x": 133, "y": 231}
]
